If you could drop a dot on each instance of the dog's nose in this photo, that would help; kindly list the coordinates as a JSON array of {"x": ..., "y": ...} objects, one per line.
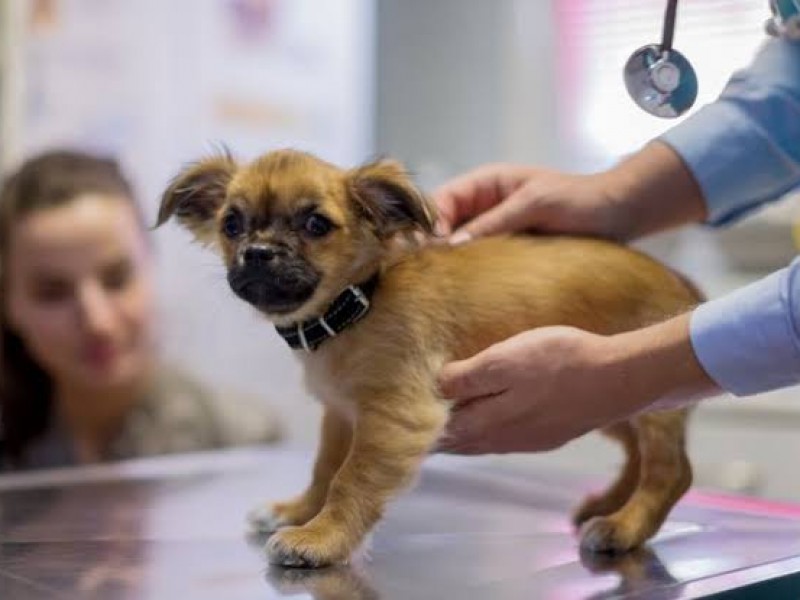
[{"x": 258, "y": 255}]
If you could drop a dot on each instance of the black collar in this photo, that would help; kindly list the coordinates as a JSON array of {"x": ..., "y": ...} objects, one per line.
[{"x": 348, "y": 307}]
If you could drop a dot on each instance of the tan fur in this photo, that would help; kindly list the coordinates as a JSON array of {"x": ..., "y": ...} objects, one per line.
[{"x": 435, "y": 304}]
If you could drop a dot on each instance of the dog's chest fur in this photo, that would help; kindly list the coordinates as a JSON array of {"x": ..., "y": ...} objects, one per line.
[
  {"x": 320, "y": 373},
  {"x": 335, "y": 371}
]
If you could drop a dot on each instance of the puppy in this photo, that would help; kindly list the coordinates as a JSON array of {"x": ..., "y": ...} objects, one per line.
[{"x": 315, "y": 249}]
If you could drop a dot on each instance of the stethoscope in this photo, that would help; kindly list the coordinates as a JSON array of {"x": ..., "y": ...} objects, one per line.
[{"x": 663, "y": 82}]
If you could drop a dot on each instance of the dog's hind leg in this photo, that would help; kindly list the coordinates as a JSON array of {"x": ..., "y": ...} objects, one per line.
[
  {"x": 613, "y": 498},
  {"x": 665, "y": 476}
]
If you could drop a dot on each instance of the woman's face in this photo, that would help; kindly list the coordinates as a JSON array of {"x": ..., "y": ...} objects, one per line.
[{"x": 80, "y": 292}]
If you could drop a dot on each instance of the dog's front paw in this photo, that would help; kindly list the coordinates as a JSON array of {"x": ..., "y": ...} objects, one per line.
[
  {"x": 268, "y": 518},
  {"x": 265, "y": 519},
  {"x": 610, "y": 534},
  {"x": 308, "y": 546}
]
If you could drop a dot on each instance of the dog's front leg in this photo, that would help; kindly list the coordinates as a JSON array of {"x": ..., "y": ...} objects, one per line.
[
  {"x": 334, "y": 445},
  {"x": 390, "y": 439}
]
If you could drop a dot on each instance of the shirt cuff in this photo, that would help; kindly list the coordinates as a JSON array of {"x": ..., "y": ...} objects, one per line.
[{"x": 748, "y": 341}]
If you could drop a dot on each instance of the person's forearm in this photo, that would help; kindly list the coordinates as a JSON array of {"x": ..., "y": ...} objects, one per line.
[
  {"x": 744, "y": 343},
  {"x": 653, "y": 191},
  {"x": 661, "y": 367}
]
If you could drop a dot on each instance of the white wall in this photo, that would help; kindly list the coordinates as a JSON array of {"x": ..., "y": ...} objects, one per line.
[{"x": 463, "y": 82}]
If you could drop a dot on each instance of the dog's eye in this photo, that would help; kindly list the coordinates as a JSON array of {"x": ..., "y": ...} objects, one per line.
[
  {"x": 232, "y": 224},
  {"x": 317, "y": 226}
]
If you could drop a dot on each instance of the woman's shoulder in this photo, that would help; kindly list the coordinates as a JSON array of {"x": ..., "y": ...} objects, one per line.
[{"x": 181, "y": 413}]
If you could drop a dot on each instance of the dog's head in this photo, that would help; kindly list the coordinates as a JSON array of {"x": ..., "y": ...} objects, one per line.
[{"x": 293, "y": 230}]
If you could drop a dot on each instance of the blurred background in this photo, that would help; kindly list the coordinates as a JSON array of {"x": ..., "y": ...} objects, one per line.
[{"x": 443, "y": 85}]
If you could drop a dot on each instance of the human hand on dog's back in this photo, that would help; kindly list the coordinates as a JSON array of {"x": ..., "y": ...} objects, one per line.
[{"x": 650, "y": 191}]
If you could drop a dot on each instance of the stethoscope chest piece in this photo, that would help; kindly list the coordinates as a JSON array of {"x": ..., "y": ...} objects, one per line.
[{"x": 661, "y": 82}]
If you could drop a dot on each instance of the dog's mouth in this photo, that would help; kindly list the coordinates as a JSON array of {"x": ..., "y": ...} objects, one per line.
[{"x": 273, "y": 292}]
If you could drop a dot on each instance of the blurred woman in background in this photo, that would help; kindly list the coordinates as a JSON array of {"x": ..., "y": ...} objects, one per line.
[{"x": 80, "y": 376}]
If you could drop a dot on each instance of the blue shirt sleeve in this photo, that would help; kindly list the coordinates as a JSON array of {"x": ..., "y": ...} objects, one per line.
[
  {"x": 749, "y": 341},
  {"x": 744, "y": 148}
]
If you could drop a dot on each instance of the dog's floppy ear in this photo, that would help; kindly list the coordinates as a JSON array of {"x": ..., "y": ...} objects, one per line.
[
  {"x": 195, "y": 195},
  {"x": 385, "y": 193}
]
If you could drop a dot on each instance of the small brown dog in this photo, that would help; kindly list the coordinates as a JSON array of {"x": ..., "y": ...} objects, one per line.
[{"x": 314, "y": 248}]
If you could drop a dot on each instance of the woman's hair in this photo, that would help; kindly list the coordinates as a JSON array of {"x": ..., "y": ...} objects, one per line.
[{"x": 48, "y": 180}]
